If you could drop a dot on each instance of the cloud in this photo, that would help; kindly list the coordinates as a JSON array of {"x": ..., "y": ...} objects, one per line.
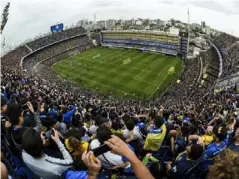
[
  {"x": 104, "y": 4},
  {"x": 29, "y": 18},
  {"x": 213, "y": 5},
  {"x": 166, "y": 2}
]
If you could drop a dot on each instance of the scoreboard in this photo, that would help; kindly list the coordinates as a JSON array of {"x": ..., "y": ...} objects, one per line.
[{"x": 57, "y": 28}]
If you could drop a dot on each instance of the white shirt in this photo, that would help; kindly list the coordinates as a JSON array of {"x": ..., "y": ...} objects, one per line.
[
  {"x": 92, "y": 129},
  {"x": 137, "y": 135},
  {"x": 108, "y": 159}
]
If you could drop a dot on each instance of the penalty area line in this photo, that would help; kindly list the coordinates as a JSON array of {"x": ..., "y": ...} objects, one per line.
[
  {"x": 109, "y": 86},
  {"x": 161, "y": 82}
]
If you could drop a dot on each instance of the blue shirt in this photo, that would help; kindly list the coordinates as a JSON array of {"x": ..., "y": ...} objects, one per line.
[
  {"x": 70, "y": 174},
  {"x": 53, "y": 113},
  {"x": 212, "y": 151},
  {"x": 124, "y": 159},
  {"x": 67, "y": 117},
  {"x": 186, "y": 119},
  {"x": 128, "y": 170}
]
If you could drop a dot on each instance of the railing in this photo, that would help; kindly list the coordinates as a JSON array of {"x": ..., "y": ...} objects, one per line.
[
  {"x": 219, "y": 56},
  {"x": 201, "y": 69}
]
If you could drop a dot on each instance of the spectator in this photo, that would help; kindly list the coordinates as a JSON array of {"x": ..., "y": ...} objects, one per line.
[
  {"x": 208, "y": 136},
  {"x": 150, "y": 120},
  {"x": 94, "y": 127},
  {"x": 235, "y": 144},
  {"x": 74, "y": 144},
  {"x": 3, "y": 106},
  {"x": 216, "y": 147},
  {"x": 93, "y": 165},
  {"x": 120, "y": 147},
  {"x": 179, "y": 144},
  {"x": 41, "y": 164},
  {"x": 60, "y": 125},
  {"x": 52, "y": 112},
  {"x": 185, "y": 161},
  {"x": 107, "y": 159},
  {"x": 156, "y": 135},
  {"x": 49, "y": 122},
  {"x": 131, "y": 133},
  {"x": 15, "y": 113},
  {"x": 106, "y": 122},
  {"x": 5, "y": 124},
  {"x": 67, "y": 115}
]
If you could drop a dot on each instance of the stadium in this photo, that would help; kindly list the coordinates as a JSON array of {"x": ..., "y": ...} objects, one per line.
[{"x": 79, "y": 103}]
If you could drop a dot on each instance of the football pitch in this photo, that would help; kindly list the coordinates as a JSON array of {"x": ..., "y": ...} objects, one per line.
[{"x": 120, "y": 72}]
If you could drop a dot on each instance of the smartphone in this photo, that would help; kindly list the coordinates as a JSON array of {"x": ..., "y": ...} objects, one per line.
[
  {"x": 24, "y": 107},
  {"x": 48, "y": 134},
  {"x": 101, "y": 150}
]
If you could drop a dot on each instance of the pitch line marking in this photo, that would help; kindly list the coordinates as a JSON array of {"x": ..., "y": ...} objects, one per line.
[
  {"x": 151, "y": 84},
  {"x": 163, "y": 70},
  {"x": 109, "y": 86},
  {"x": 135, "y": 77},
  {"x": 160, "y": 83},
  {"x": 156, "y": 76}
]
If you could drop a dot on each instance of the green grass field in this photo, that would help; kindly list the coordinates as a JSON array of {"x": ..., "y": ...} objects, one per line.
[{"x": 121, "y": 72}]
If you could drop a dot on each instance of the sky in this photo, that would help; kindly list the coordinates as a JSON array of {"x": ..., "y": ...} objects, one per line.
[{"x": 28, "y": 18}]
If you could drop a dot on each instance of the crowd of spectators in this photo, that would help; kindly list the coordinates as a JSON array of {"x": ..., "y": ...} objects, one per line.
[
  {"x": 229, "y": 47},
  {"x": 51, "y": 38},
  {"x": 13, "y": 58},
  {"x": 210, "y": 68},
  {"x": 53, "y": 129},
  {"x": 53, "y": 50},
  {"x": 18, "y": 53},
  {"x": 187, "y": 88}
]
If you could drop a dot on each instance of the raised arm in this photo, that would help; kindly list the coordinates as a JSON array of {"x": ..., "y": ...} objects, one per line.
[
  {"x": 120, "y": 147},
  {"x": 67, "y": 159},
  {"x": 36, "y": 118}
]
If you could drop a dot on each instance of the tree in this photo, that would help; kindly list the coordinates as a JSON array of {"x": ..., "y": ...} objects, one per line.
[{"x": 4, "y": 17}]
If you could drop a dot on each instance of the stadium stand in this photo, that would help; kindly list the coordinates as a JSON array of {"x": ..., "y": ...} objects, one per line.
[
  {"x": 43, "y": 41},
  {"x": 210, "y": 68},
  {"x": 49, "y": 123},
  {"x": 228, "y": 46},
  {"x": 15, "y": 56},
  {"x": 142, "y": 40}
]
